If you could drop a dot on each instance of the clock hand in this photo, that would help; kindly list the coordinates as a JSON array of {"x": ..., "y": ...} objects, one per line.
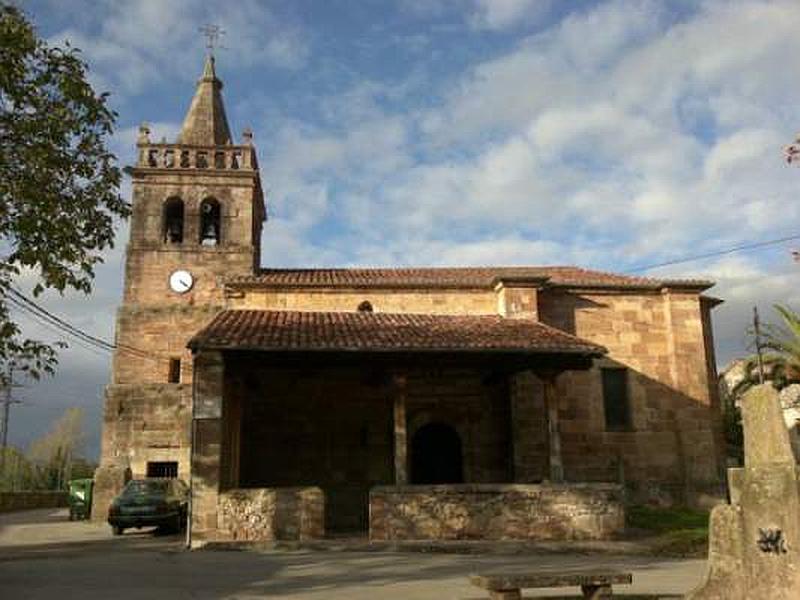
[{"x": 184, "y": 283}]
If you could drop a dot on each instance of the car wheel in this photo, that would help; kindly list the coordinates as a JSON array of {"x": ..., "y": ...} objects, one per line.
[{"x": 117, "y": 530}]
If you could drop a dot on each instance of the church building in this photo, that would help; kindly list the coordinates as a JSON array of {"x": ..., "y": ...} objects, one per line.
[{"x": 395, "y": 403}]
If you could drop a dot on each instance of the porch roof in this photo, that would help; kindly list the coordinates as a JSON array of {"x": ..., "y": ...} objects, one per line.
[{"x": 287, "y": 331}]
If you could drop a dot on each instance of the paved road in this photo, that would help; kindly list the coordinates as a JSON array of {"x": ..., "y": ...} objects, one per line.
[{"x": 43, "y": 555}]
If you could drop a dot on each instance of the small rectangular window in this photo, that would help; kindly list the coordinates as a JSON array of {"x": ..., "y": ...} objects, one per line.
[
  {"x": 174, "y": 370},
  {"x": 162, "y": 469},
  {"x": 615, "y": 399}
]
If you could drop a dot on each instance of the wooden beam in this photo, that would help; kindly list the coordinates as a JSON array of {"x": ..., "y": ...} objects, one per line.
[
  {"x": 553, "y": 434},
  {"x": 400, "y": 430}
]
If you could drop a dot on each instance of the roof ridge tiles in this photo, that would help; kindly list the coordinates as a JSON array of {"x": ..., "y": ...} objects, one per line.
[{"x": 443, "y": 277}]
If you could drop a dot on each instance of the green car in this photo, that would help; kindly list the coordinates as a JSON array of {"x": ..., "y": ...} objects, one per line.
[{"x": 150, "y": 502}]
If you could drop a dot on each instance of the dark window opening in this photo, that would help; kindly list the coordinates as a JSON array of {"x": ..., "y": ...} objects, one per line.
[
  {"x": 436, "y": 455},
  {"x": 163, "y": 469},
  {"x": 616, "y": 403},
  {"x": 210, "y": 222},
  {"x": 219, "y": 160},
  {"x": 185, "y": 159},
  {"x": 173, "y": 221},
  {"x": 174, "y": 370},
  {"x": 201, "y": 160},
  {"x": 365, "y": 306}
]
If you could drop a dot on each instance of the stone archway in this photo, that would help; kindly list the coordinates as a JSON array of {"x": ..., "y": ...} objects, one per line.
[{"x": 436, "y": 455}]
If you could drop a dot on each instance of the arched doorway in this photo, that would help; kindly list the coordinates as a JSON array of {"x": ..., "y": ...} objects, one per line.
[{"x": 436, "y": 455}]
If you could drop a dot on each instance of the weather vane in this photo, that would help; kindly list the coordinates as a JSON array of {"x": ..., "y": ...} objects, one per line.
[{"x": 213, "y": 34}]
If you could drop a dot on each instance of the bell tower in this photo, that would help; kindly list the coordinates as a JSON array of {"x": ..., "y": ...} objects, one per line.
[
  {"x": 197, "y": 207},
  {"x": 198, "y": 210}
]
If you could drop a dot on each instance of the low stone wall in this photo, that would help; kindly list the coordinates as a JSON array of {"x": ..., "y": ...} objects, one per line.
[
  {"x": 30, "y": 500},
  {"x": 263, "y": 514},
  {"x": 581, "y": 511}
]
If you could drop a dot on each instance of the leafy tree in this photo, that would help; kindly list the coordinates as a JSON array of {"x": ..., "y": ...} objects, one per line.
[{"x": 58, "y": 181}]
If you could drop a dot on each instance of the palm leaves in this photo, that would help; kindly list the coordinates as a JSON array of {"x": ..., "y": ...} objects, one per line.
[{"x": 782, "y": 362}]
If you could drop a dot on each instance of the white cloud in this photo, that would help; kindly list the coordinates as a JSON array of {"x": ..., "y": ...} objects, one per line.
[
  {"x": 142, "y": 42},
  {"x": 503, "y": 14}
]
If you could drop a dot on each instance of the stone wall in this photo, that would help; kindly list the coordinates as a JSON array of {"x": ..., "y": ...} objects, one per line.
[
  {"x": 497, "y": 512},
  {"x": 670, "y": 453},
  {"x": 10, "y": 501},
  {"x": 161, "y": 334},
  {"x": 147, "y": 422},
  {"x": 291, "y": 513},
  {"x": 425, "y": 301}
]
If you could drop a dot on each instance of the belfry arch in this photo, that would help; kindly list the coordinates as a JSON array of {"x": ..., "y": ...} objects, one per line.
[{"x": 173, "y": 221}]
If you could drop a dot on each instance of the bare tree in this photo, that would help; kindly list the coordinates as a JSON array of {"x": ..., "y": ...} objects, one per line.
[{"x": 58, "y": 448}]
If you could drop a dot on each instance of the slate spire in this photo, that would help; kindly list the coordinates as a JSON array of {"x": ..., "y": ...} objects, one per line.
[{"x": 205, "y": 123}]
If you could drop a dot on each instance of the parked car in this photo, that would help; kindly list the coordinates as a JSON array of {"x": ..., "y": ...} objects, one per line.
[{"x": 150, "y": 502}]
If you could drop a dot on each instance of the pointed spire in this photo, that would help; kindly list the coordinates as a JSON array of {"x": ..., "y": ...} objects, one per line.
[{"x": 205, "y": 123}]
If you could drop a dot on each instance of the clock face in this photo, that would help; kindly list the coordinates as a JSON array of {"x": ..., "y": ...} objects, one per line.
[{"x": 181, "y": 281}]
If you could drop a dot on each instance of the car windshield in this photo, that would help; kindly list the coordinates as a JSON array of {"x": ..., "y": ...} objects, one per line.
[{"x": 145, "y": 487}]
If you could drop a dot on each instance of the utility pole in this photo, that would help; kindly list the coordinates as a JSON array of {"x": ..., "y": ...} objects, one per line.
[
  {"x": 8, "y": 400},
  {"x": 757, "y": 331},
  {"x": 6, "y": 407}
]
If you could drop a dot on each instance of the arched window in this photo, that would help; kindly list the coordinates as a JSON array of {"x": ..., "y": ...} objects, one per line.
[
  {"x": 210, "y": 233},
  {"x": 173, "y": 221},
  {"x": 436, "y": 455},
  {"x": 365, "y": 306}
]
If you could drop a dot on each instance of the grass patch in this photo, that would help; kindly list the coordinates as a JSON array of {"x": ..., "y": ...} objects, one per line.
[{"x": 673, "y": 531}]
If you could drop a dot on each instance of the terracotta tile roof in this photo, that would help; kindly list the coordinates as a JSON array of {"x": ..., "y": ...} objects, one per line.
[
  {"x": 459, "y": 277},
  {"x": 384, "y": 332}
]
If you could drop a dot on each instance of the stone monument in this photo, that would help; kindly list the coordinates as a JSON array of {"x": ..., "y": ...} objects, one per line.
[{"x": 754, "y": 545}]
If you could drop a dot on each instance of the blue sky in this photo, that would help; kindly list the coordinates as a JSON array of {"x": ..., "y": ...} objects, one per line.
[{"x": 468, "y": 132}]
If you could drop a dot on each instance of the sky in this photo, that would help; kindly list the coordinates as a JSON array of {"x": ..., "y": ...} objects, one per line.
[{"x": 611, "y": 134}]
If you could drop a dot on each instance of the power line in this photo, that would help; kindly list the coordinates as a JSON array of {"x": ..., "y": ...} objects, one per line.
[
  {"x": 731, "y": 250},
  {"x": 36, "y": 309},
  {"x": 45, "y": 317},
  {"x": 29, "y": 314}
]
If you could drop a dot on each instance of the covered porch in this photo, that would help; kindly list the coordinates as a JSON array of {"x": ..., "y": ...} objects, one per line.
[{"x": 403, "y": 426}]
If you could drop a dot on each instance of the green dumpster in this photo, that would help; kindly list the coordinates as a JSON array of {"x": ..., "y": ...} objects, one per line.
[{"x": 80, "y": 499}]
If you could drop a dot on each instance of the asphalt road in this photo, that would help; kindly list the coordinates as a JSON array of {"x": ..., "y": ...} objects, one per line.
[{"x": 44, "y": 556}]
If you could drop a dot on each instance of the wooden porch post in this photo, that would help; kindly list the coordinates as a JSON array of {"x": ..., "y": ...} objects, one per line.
[
  {"x": 400, "y": 431},
  {"x": 554, "y": 437}
]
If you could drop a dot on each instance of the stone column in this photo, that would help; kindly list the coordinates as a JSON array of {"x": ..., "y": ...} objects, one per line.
[
  {"x": 554, "y": 437},
  {"x": 528, "y": 444},
  {"x": 400, "y": 431},
  {"x": 209, "y": 374}
]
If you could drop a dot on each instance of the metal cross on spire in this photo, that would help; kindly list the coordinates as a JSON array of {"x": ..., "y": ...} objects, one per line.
[{"x": 213, "y": 34}]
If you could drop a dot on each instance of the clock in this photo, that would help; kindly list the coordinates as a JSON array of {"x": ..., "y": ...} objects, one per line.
[{"x": 181, "y": 281}]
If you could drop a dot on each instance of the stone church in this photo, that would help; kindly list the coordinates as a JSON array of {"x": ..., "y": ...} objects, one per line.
[{"x": 408, "y": 403}]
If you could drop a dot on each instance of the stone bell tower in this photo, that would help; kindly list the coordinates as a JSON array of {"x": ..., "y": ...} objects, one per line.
[{"x": 198, "y": 210}]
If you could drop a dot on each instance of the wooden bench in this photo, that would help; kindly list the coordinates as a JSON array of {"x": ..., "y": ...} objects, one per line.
[{"x": 595, "y": 585}]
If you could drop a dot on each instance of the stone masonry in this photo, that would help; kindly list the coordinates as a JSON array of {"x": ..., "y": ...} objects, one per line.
[{"x": 497, "y": 512}]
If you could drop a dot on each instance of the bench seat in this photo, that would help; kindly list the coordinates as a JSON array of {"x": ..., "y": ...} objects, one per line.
[{"x": 595, "y": 584}]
